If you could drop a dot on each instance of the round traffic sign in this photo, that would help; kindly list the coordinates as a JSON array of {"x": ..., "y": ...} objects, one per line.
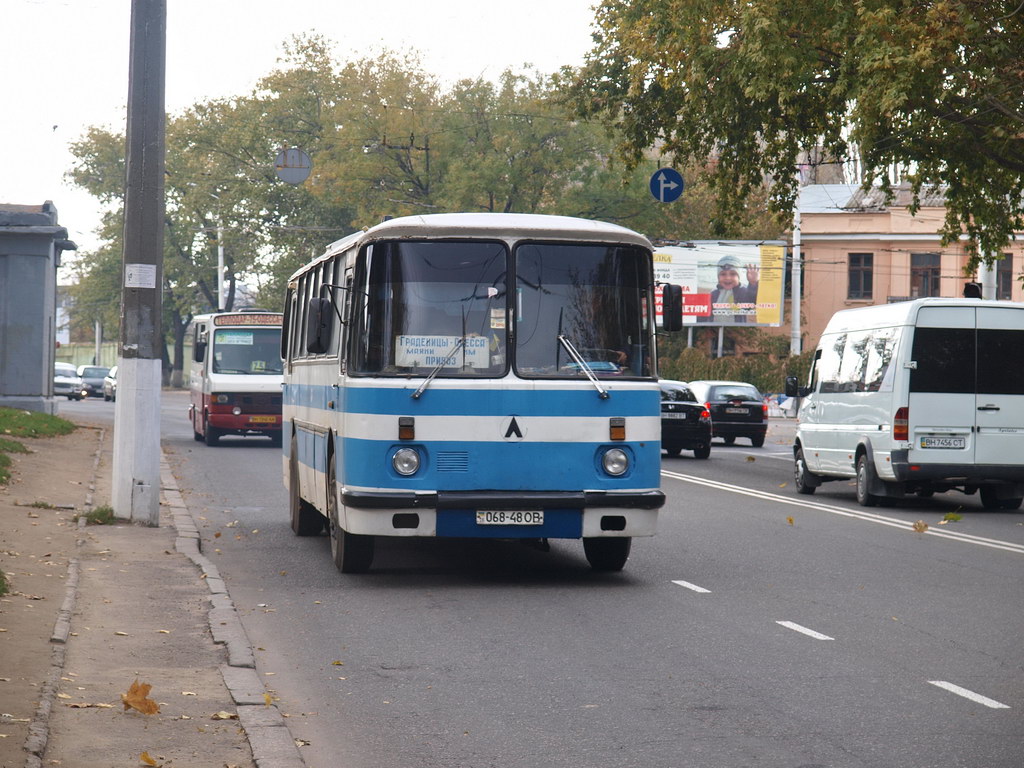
[
  {"x": 666, "y": 185},
  {"x": 292, "y": 165}
]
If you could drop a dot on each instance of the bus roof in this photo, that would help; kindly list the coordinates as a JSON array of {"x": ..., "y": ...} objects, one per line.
[{"x": 500, "y": 226}]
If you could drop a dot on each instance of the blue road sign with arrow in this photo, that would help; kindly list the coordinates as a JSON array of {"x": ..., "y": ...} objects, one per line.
[{"x": 666, "y": 185}]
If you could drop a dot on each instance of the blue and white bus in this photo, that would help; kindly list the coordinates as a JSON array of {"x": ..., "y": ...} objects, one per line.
[{"x": 474, "y": 375}]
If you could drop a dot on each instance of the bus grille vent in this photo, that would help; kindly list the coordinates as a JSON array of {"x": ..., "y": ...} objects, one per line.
[{"x": 452, "y": 461}]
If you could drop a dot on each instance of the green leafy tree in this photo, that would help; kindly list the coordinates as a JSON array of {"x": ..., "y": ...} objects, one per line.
[{"x": 933, "y": 89}]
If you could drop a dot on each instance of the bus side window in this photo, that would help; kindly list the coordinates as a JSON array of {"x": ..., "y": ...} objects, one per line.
[{"x": 286, "y": 324}]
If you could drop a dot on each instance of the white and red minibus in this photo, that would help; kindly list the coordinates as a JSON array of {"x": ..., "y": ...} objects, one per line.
[{"x": 235, "y": 380}]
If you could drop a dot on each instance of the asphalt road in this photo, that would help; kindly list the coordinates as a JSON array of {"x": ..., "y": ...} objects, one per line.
[{"x": 758, "y": 628}]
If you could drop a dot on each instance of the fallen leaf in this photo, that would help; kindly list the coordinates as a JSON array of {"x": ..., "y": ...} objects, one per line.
[
  {"x": 144, "y": 757},
  {"x": 920, "y": 526},
  {"x": 121, "y": 634},
  {"x": 216, "y": 535},
  {"x": 751, "y": 458},
  {"x": 163, "y": 631},
  {"x": 222, "y": 715},
  {"x": 783, "y": 485},
  {"x": 136, "y": 699},
  {"x": 789, "y": 520},
  {"x": 338, "y": 663},
  {"x": 63, "y": 696},
  {"x": 301, "y": 743},
  {"x": 267, "y": 700},
  {"x": 189, "y": 693}
]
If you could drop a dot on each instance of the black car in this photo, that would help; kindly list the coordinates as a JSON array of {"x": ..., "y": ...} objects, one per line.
[
  {"x": 92, "y": 379},
  {"x": 685, "y": 422},
  {"x": 737, "y": 410}
]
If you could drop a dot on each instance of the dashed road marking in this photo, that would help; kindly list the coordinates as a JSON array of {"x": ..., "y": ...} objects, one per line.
[
  {"x": 975, "y": 697},
  {"x": 804, "y": 630},
  {"x": 694, "y": 587}
]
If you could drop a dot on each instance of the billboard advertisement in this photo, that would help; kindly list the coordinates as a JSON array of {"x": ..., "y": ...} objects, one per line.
[{"x": 725, "y": 283}]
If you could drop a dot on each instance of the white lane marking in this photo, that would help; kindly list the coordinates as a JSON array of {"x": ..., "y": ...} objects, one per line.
[
  {"x": 1009, "y": 546},
  {"x": 975, "y": 697},
  {"x": 694, "y": 587},
  {"x": 804, "y": 630}
]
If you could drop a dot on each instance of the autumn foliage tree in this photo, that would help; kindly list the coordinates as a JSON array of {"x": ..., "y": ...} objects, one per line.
[{"x": 933, "y": 89}]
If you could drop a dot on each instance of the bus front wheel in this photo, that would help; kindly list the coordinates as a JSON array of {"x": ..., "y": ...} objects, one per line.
[
  {"x": 351, "y": 553},
  {"x": 607, "y": 554}
]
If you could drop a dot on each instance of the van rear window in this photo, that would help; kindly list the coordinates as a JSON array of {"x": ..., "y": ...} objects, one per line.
[
  {"x": 945, "y": 360},
  {"x": 963, "y": 360}
]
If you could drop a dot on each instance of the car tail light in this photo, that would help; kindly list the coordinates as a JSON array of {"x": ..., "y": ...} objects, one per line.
[
  {"x": 764, "y": 410},
  {"x": 708, "y": 406},
  {"x": 901, "y": 425},
  {"x": 705, "y": 415}
]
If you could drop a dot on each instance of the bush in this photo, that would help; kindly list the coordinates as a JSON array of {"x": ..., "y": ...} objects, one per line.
[{"x": 765, "y": 371}]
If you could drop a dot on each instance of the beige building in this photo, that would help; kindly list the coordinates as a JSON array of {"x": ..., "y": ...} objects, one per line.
[{"x": 858, "y": 251}]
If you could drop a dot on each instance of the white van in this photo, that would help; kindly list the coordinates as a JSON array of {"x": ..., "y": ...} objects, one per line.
[{"x": 920, "y": 397}]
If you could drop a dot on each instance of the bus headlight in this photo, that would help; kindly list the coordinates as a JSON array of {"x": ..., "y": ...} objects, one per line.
[
  {"x": 615, "y": 461},
  {"x": 406, "y": 461},
  {"x": 237, "y": 411}
]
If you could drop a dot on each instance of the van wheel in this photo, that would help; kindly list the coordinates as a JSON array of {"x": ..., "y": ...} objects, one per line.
[
  {"x": 801, "y": 474},
  {"x": 702, "y": 452},
  {"x": 212, "y": 435},
  {"x": 607, "y": 554},
  {"x": 758, "y": 441},
  {"x": 306, "y": 520},
  {"x": 351, "y": 553},
  {"x": 864, "y": 497},
  {"x": 989, "y": 500}
]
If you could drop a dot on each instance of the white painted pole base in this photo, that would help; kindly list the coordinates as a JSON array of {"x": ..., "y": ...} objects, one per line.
[{"x": 136, "y": 472}]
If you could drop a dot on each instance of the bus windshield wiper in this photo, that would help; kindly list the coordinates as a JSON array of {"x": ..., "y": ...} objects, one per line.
[
  {"x": 578, "y": 359},
  {"x": 458, "y": 345}
]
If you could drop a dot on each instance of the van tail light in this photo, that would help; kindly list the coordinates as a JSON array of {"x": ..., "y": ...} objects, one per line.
[{"x": 901, "y": 425}]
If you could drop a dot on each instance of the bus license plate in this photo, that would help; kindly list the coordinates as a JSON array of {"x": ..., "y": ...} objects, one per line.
[
  {"x": 262, "y": 419},
  {"x": 943, "y": 442},
  {"x": 510, "y": 517}
]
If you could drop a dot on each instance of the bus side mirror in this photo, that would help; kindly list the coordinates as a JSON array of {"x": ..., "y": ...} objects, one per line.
[
  {"x": 199, "y": 351},
  {"x": 318, "y": 326},
  {"x": 671, "y": 308}
]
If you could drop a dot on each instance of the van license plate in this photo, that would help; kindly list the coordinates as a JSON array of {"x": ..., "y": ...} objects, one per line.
[
  {"x": 943, "y": 442},
  {"x": 262, "y": 419},
  {"x": 510, "y": 517}
]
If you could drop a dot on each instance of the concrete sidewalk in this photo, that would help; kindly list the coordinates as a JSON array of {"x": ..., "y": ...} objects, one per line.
[{"x": 92, "y": 609}]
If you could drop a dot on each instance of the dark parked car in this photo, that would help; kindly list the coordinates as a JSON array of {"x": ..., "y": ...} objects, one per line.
[
  {"x": 92, "y": 379},
  {"x": 685, "y": 422},
  {"x": 737, "y": 410},
  {"x": 110, "y": 384}
]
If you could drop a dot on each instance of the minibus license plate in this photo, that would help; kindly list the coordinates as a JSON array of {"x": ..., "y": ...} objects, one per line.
[
  {"x": 262, "y": 419},
  {"x": 510, "y": 517},
  {"x": 943, "y": 442}
]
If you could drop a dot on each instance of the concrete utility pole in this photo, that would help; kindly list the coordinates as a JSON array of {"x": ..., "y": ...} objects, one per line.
[
  {"x": 795, "y": 287},
  {"x": 136, "y": 478}
]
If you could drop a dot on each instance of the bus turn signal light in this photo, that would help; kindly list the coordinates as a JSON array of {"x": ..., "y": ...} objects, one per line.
[
  {"x": 406, "y": 428},
  {"x": 617, "y": 428}
]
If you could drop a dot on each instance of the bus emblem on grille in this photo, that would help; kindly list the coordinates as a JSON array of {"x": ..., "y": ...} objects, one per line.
[{"x": 512, "y": 430}]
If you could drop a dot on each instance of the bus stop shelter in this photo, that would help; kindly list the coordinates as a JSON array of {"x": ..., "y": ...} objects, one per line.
[{"x": 31, "y": 243}]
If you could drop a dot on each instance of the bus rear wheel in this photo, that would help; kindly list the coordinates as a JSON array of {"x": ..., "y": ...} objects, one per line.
[
  {"x": 351, "y": 553},
  {"x": 306, "y": 520},
  {"x": 607, "y": 554}
]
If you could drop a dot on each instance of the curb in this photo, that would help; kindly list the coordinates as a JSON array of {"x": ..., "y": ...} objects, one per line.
[{"x": 270, "y": 741}]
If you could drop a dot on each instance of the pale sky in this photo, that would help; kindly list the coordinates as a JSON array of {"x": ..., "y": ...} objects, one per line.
[{"x": 65, "y": 64}]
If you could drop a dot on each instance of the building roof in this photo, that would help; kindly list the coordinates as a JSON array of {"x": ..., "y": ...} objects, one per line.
[{"x": 850, "y": 198}]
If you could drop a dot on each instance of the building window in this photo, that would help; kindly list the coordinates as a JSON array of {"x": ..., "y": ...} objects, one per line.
[
  {"x": 1004, "y": 277},
  {"x": 924, "y": 275},
  {"x": 861, "y": 273}
]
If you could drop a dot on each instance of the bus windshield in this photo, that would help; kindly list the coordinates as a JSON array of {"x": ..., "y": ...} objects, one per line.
[
  {"x": 443, "y": 308},
  {"x": 247, "y": 351}
]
